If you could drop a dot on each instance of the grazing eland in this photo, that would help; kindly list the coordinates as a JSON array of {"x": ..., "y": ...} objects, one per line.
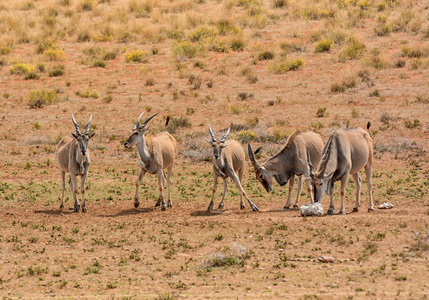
[
  {"x": 156, "y": 153},
  {"x": 290, "y": 161},
  {"x": 346, "y": 153},
  {"x": 228, "y": 161},
  {"x": 73, "y": 157}
]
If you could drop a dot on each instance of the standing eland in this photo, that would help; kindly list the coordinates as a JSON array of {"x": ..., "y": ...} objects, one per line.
[
  {"x": 228, "y": 160},
  {"x": 290, "y": 161},
  {"x": 156, "y": 153},
  {"x": 346, "y": 153},
  {"x": 73, "y": 157}
]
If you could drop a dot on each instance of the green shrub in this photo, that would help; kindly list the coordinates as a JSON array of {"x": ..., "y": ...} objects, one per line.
[
  {"x": 245, "y": 136},
  {"x": 353, "y": 51},
  {"x": 382, "y": 30},
  {"x": 347, "y": 83},
  {"x": 99, "y": 64},
  {"x": 136, "y": 56},
  {"x": 103, "y": 38},
  {"x": 44, "y": 45},
  {"x": 54, "y": 54},
  {"x": 87, "y": 5},
  {"x": 107, "y": 99},
  {"x": 289, "y": 47},
  {"x": 40, "y": 98},
  {"x": 21, "y": 68},
  {"x": 320, "y": 112},
  {"x": 266, "y": 55},
  {"x": 415, "y": 63},
  {"x": 177, "y": 35},
  {"x": 412, "y": 124},
  {"x": 6, "y": 49},
  {"x": 201, "y": 34},
  {"x": 41, "y": 67},
  {"x": 58, "y": 70},
  {"x": 32, "y": 75},
  {"x": 237, "y": 44},
  {"x": 88, "y": 93},
  {"x": 400, "y": 63},
  {"x": 226, "y": 26},
  {"x": 219, "y": 45},
  {"x": 323, "y": 46},
  {"x": 109, "y": 55},
  {"x": 412, "y": 52},
  {"x": 280, "y": 3},
  {"x": 185, "y": 49},
  {"x": 281, "y": 67},
  {"x": 176, "y": 123},
  {"x": 375, "y": 93}
]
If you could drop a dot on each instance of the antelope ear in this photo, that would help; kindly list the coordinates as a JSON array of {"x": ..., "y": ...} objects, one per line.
[
  {"x": 74, "y": 135},
  {"x": 210, "y": 142},
  {"x": 224, "y": 145},
  {"x": 91, "y": 135}
]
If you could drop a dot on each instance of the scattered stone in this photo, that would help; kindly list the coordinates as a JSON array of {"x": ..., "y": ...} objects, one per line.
[
  {"x": 326, "y": 259},
  {"x": 312, "y": 209},
  {"x": 386, "y": 205}
]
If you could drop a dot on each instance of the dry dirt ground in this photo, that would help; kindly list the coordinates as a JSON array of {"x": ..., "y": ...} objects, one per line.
[{"x": 117, "y": 251}]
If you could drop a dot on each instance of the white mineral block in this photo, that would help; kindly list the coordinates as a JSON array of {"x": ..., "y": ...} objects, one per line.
[
  {"x": 386, "y": 205},
  {"x": 312, "y": 209}
]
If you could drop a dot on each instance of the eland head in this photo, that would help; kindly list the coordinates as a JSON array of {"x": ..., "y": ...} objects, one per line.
[{"x": 82, "y": 138}]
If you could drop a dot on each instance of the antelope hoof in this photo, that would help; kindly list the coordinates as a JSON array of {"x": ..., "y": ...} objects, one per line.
[
  {"x": 136, "y": 204},
  {"x": 355, "y": 209},
  {"x": 295, "y": 206},
  {"x": 84, "y": 209},
  {"x": 220, "y": 206},
  {"x": 342, "y": 212},
  {"x": 330, "y": 212},
  {"x": 158, "y": 203},
  {"x": 286, "y": 207},
  {"x": 163, "y": 207},
  {"x": 76, "y": 208},
  {"x": 61, "y": 206},
  {"x": 370, "y": 209},
  {"x": 169, "y": 204},
  {"x": 242, "y": 206},
  {"x": 255, "y": 208}
]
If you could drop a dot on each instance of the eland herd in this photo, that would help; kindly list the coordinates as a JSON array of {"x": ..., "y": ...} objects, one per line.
[{"x": 346, "y": 152}]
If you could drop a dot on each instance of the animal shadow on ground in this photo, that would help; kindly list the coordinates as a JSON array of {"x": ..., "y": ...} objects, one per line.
[
  {"x": 214, "y": 212},
  {"x": 129, "y": 212},
  {"x": 55, "y": 212}
]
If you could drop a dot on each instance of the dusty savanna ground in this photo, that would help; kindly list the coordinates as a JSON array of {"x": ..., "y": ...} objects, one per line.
[{"x": 222, "y": 63}]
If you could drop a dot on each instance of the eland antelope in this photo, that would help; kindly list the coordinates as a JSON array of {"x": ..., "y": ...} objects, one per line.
[
  {"x": 346, "y": 153},
  {"x": 228, "y": 160},
  {"x": 290, "y": 161},
  {"x": 73, "y": 157},
  {"x": 156, "y": 153}
]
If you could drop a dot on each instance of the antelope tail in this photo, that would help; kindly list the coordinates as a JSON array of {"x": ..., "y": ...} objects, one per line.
[
  {"x": 166, "y": 122},
  {"x": 368, "y": 125}
]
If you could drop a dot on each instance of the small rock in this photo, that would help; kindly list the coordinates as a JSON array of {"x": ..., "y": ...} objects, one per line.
[{"x": 326, "y": 259}]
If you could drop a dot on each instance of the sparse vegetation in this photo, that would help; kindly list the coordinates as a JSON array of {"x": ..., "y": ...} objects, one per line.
[
  {"x": 347, "y": 83},
  {"x": 281, "y": 67},
  {"x": 223, "y": 63},
  {"x": 40, "y": 98},
  {"x": 136, "y": 56},
  {"x": 323, "y": 46}
]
